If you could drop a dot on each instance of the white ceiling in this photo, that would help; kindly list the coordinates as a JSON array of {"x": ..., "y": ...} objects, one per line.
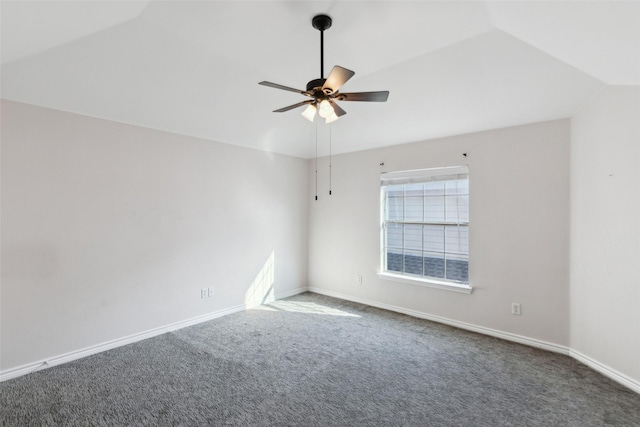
[{"x": 192, "y": 67}]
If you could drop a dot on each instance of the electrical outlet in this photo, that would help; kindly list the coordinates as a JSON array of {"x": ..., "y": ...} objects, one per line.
[
  {"x": 210, "y": 291},
  {"x": 358, "y": 280},
  {"x": 204, "y": 293},
  {"x": 516, "y": 308}
]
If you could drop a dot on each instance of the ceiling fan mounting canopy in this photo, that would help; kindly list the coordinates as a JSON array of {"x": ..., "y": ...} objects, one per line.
[
  {"x": 321, "y": 22},
  {"x": 323, "y": 92}
]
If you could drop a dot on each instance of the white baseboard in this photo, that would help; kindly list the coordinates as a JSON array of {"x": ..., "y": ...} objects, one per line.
[
  {"x": 593, "y": 364},
  {"x": 88, "y": 351},
  {"x": 606, "y": 371},
  {"x": 462, "y": 325},
  {"x": 287, "y": 294}
]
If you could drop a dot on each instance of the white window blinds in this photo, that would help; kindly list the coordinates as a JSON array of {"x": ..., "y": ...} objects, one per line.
[{"x": 426, "y": 223}]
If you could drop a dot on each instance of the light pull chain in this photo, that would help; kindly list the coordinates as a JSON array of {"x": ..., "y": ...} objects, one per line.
[
  {"x": 316, "y": 159},
  {"x": 330, "y": 126}
]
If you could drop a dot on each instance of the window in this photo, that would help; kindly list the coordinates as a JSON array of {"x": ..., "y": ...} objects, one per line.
[{"x": 425, "y": 225}]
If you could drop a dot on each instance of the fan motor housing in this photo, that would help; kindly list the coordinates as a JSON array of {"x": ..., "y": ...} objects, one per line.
[{"x": 315, "y": 85}]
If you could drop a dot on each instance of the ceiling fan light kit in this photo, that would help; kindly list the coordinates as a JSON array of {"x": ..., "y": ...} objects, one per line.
[
  {"x": 324, "y": 92},
  {"x": 309, "y": 113}
]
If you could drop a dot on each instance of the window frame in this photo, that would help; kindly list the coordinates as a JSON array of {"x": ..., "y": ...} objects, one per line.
[{"x": 417, "y": 176}]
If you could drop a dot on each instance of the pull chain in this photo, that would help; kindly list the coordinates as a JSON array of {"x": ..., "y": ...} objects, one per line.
[
  {"x": 330, "y": 126},
  {"x": 316, "y": 160}
]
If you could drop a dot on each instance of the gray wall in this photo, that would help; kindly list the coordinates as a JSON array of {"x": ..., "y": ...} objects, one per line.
[
  {"x": 605, "y": 233},
  {"x": 109, "y": 230},
  {"x": 519, "y": 229}
]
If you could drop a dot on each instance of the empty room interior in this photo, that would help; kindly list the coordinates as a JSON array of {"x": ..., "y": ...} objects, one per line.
[{"x": 157, "y": 173}]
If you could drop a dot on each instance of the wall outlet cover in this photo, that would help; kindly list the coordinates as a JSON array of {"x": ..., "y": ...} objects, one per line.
[{"x": 516, "y": 309}]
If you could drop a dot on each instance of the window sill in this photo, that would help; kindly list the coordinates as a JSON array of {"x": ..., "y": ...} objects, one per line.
[{"x": 430, "y": 283}]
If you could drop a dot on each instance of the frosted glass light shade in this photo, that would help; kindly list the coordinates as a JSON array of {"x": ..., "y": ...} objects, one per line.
[
  {"x": 332, "y": 118},
  {"x": 309, "y": 113},
  {"x": 325, "y": 109}
]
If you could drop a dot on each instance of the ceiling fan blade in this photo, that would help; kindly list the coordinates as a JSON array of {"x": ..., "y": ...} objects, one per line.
[
  {"x": 337, "y": 77},
  {"x": 339, "y": 111},
  {"x": 277, "y": 86},
  {"x": 364, "y": 96},
  {"x": 291, "y": 107}
]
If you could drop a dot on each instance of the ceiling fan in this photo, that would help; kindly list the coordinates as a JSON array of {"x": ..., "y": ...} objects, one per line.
[{"x": 324, "y": 92}]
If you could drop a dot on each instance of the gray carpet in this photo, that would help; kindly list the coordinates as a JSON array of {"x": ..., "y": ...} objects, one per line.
[{"x": 311, "y": 360}]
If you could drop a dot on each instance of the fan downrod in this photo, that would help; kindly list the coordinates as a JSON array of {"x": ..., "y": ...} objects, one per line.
[{"x": 321, "y": 22}]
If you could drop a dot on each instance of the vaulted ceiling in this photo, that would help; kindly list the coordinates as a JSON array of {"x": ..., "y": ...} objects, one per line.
[{"x": 192, "y": 67}]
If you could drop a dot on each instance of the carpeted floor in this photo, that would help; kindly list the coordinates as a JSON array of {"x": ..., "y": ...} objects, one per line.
[{"x": 312, "y": 360}]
